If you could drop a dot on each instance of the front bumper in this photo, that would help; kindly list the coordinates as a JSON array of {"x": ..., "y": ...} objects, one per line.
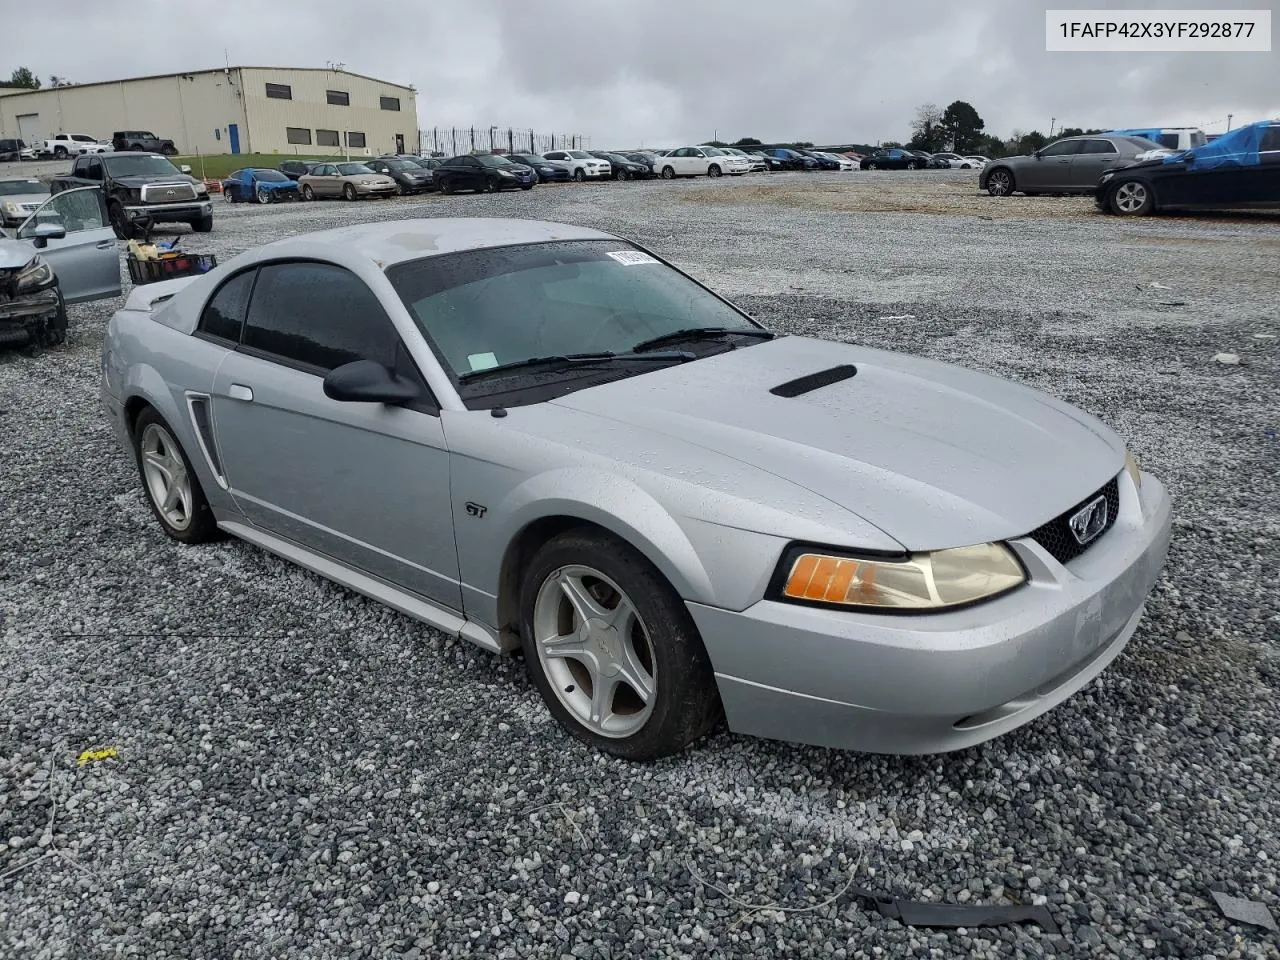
[
  {"x": 377, "y": 189},
  {"x": 170, "y": 212},
  {"x": 933, "y": 683},
  {"x": 22, "y": 317}
]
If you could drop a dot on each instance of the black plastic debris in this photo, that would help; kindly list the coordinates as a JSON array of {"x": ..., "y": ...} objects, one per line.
[
  {"x": 1245, "y": 911},
  {"x": 915, "y": 913}
]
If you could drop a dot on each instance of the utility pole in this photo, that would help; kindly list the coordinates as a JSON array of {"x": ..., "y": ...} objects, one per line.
[
  {"x": 1228, "y": 123},
  {"x": 1052, "y": 121}
]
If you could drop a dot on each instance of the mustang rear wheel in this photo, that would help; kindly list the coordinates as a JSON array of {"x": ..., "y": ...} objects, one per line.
[
  {"x": 612, "y": 649},
  {"x": 172, "y": 488},
  {"x": 1131, "y": 199}
]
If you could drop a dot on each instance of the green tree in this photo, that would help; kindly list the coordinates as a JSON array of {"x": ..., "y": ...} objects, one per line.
[
  {"x": 23, "y": 77},
  {"x": 1025, "y": 143},
  {"x": 748, "y": 142},
  {"x": 889, "y": 145},
  {"x": 962, "y": 126},
  {"x": 926, "y": 130}
]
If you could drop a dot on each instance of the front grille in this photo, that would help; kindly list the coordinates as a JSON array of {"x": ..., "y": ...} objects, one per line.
[
  {"x": 168, "y": 192},
  {"x": 1056, "y": 536}
]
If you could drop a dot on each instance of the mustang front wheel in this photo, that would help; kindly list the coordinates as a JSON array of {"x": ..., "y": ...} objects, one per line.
[
  {"x": 172, "y": 489},
  {"x": 612, "y": 649}
]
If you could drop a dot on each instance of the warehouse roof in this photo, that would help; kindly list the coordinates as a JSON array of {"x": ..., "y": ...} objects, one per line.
[{"x": 11, "y": 91}]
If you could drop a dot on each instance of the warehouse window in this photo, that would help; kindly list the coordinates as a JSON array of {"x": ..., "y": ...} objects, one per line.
[
  {"x": 298, "y": 134},
  {"x": 327, "y": 138},
  {"x": 355, "y": 139},
  {"x": 279, "y": 91},
  {"x": 389, "y": 103},
  {"x": 338, "y": 98}
]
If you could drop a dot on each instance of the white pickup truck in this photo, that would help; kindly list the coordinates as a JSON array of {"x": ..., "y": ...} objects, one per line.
[{"x": 70, "y": 145}]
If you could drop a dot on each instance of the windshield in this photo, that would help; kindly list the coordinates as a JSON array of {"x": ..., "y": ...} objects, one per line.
[
  {"x": 580, "y": 155},
  {"x": 269, "y": 176},
  {"x": 354, "y": 169},
  {"x": 15, "y": 188},
  {"x": 492, "y": 160},
  {"x": 713, "y": 151},
  {"x": 143, "y": 164},
  {"x": 399, "y": 164},
  {"x": 482, "y": 308}
]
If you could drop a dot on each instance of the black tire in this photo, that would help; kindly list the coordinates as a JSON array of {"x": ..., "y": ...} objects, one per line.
[
  {"x": 1139, "y": 199},
  {"x": 668, "y": 173},
  {"x": 59, "y": 153},
  {"x": 348, "y": 191},
  {"x": 203, "y": 225},
  {"x": 169, "y": 151},
  {"x": 579, "y": 175},
  {"x": 872, "y": 166},
  {"x": 1000, "y": 182},
  {"x": 526, "y": 186},
  {"x": 912, "y": 165},
  {"x": 54, "y": 333},
  {"x": 138, "y": 148},
  {"x": 623, "y": 174},
  {"x": 402, "y": 190},
  {"x": 262, "y": 196},
  {"x": 307, "y": 192},
  {"x": 446, "y": 186},
  {"x": 201, "y": 527},
  {"x": 686, "y": 702},
  {"x": 714, "y": 170},
  {"x": 123, "y": 227}
]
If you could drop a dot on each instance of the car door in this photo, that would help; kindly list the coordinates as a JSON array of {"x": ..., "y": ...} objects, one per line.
[
  {"x": 85, "y": 260},
  {"x": 1050, "y": 168},
  {"x": 324, "y": 181},
  {"x": 1095, "y": 158},
  {"x": 475, "y": 174},
  {"x": 1263, "y": 181},
  {"x": 366, "y": 484}
]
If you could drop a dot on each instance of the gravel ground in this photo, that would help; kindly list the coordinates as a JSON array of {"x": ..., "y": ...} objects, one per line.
[{"x": 300, "y": 772}]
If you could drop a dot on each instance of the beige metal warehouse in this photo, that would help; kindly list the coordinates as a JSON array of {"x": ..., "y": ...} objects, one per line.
[{"x": 286, "y": 110}]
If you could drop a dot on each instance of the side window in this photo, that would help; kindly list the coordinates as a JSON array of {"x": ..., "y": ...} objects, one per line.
[
  {"x": 1169, "y": 140},
  {"x": 1270, "y": 140},
  {"x": 224, "y": 313},
  {"x": 1099, "y": 146},
  {"x": 319, "y": 316},
  {"x": 1063, "y": 148},
  {"x": 73, "y": 210},
  {"x": 92, "y": 168}
]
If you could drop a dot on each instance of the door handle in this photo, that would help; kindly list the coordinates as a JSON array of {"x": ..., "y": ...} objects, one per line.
[
  {"x": 106, "y": 245},
  {"x": 240, "y": 392}
]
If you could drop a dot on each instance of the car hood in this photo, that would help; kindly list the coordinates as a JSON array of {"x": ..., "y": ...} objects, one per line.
[
  {"x": 932, "y": 454},
  {"x": 14, "y": 253},
  {"x": 139, "y": 179},
  {"x": 24, "y": 198}
]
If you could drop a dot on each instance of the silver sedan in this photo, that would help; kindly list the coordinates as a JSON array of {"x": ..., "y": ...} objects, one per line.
[{"x": 544, "y": 438}]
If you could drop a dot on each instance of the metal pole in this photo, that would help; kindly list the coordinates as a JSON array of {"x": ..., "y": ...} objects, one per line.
[{"x": 1228, "y": 123}]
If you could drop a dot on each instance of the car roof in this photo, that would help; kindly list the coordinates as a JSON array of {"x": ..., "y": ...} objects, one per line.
[{"x": 396, "y": 241}]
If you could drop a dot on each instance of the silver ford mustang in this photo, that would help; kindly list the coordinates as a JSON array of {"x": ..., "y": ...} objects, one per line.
[{"x": 542, "y": 437}]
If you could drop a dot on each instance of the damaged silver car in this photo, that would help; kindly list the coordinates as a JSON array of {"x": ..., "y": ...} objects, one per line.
[{"x": 64, "y": 252}]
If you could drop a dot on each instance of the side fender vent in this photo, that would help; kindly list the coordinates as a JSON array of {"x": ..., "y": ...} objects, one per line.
[
  {"x": 202, "y": 420},
  {"x": 813, "y": 381}
]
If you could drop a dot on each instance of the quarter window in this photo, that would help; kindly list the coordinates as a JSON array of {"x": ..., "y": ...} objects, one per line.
[
  {"x": 298, "y": 135},
  {"x": 355, "y": 139},
  {"x": 92, "y": 169},
  {"x": 389, "y": 103},
  {"x": 318, "y": 316},
  {"x": 327, "y": 138},
  {"x": 337, "y": 98},
  {"x": 224, "y": 314},
  {"x": 1099, "y": 146},
  {"x": 279, "y": 91}
]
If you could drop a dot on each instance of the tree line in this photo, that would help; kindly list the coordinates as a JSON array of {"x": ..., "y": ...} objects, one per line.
[{"x": 24, "y": 78}]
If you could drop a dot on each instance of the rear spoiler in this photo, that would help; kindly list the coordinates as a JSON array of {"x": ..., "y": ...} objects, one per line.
[{"x": 151, "y": 296}]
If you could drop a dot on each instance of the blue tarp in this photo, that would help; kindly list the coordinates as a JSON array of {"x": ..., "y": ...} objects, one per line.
[{"x": 1239, "y": 147}]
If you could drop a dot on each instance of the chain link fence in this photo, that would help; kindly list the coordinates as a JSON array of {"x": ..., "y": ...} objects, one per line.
[{"x": 452, "y": 141}]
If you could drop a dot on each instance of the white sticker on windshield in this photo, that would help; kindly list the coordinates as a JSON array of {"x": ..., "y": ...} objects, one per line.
[
  {"x": 482, "y": 361},
  {"x": 629, "y": 258}
]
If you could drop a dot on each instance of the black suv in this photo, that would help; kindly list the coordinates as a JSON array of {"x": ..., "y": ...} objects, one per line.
[
  {"x": 141, "y": 190},
  {"x": 143, "y": 141}
]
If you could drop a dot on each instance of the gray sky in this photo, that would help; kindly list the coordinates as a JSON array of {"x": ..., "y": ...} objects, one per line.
[{"x": 658, "y": 72}]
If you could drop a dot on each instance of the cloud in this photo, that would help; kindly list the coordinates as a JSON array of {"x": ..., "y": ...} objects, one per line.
[{"x": 666, "y": 71}]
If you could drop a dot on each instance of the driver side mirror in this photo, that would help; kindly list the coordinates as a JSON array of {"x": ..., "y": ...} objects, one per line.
[
  {"x": 185, "y": 168},
  {"x": 42, "y": 233},
  {"x": 364, "y": 381}
]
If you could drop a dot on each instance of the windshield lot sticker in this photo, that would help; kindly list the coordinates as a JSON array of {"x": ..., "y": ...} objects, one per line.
[
  {"x": 630, "y": 258},
  {"x": 482, "y": 361}
]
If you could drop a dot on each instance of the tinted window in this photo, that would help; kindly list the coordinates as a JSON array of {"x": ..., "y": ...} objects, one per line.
[
  {"x": 92, "y": 169},
  {"x": 327, "y": 138},
  {"x": 318, "y": 315},
  {"x": 1169, "y": 140},
  {"x": 298, "y": 135},
  {"x": 1099, "y": 146},
  {"x": 389, "y": 103},
  {"x": 338, "y": 98},
  {"x": 225, "y": 311},
  {"x": 1270, "y": 139},
  {"x": 279, "y": 91},
  {"x": 355, "y": 138},
  {"x": 1063, "y": 148}
]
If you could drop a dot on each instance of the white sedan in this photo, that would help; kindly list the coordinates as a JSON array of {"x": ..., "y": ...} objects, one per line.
[
  {"x": 700, "y": 162},
  {"x": 845, "y": 162}
]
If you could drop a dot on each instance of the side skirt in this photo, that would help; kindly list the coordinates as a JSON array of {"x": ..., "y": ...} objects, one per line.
[{"x": 439, "y": 617}]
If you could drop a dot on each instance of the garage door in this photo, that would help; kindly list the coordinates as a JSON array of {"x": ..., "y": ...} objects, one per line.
[{"x": 29, "y": 127}]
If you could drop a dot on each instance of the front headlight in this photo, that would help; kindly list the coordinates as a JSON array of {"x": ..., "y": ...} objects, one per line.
[
  {"x": 505, "y": 173},
  {"x": 201, "y": 190},
  {"x": 34, "y": 276},
  {"x": 922, "y": 581},
  {"x": 11, "y": 208},
  {"x": 1131, "y": 467}
]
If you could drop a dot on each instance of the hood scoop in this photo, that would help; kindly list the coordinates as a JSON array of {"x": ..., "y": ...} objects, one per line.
[{"x": 814, "y": 381}]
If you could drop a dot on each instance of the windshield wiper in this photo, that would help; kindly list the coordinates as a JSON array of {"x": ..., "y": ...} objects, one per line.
[
  {"x": 565, "y": 360},
  {"x": 700, "y": 333}
]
